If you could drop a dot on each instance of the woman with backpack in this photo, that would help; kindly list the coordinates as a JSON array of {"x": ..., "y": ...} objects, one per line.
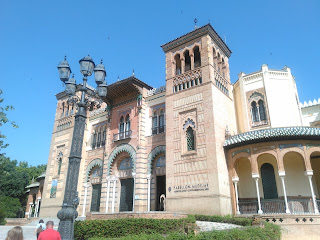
[{"x": 40, "y": 227}]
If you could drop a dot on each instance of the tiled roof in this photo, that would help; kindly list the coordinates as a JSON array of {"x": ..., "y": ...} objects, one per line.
[
  {"x": 43, "y": 175},
  {"x": 35, "y": 184},
  {"x": 273, "y": 134}
]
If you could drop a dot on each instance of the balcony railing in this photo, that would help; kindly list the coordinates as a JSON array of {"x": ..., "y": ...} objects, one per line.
[
  {"x": 157, "y": 130},
  {"x": 277, "y": 206},
  {"x": 122, "y": 135},
  {"x": 98, "y": 144}
]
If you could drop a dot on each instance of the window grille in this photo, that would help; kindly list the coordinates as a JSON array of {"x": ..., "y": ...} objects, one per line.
[
  {"x": 254, "y": 111},
  {"x": 104, "y": 136},
  {"x": 59, "y": 167},
  {"x": 268, "y": 181},
  {"x": 262, "y": 111},
  {"x": 190, "y": 139},
  {"x": 94, "y": 140}
]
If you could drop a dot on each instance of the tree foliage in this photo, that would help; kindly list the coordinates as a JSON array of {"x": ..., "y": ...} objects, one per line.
[
  {"x": 12, "y": 206},
  {"x": 4, "y": 119},
  {"x": 14, "y": 178}
]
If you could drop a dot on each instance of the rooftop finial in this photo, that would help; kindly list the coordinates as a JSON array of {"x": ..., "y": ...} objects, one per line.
[
  {"x": 118, "y": 78},
  {"x": 65, "y": 57},
  {"x": 195, "y": 23},
  {"x": 133, "y": 72},
  {"x": 101, "y": 61}
]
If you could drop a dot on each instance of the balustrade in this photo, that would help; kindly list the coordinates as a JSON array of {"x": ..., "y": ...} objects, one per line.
[
  {"x": 277, "y": 206},
  {"x": 122, "y": 135}
]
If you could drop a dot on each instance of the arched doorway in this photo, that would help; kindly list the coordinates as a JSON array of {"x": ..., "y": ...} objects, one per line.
[
  {"x": 268, "y": 181},
  {"x": 125, "y": 168},
  {"x": 95, "y": 179},
  {"x": 315, "y": 165},
  {"x": 246, "y": 188},
  {"x": 297, "y": 185},
  {"x": 159, "y": 173}
]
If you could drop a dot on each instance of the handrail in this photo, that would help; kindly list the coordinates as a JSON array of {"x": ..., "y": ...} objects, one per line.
[{"x": 122, "y": 135}]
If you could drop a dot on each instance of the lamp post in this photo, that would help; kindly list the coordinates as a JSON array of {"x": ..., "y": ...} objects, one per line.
[{"x": 68, "y": 212}]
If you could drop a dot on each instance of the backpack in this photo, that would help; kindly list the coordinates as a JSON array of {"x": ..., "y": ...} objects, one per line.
[{"x": 39, "y": 230}]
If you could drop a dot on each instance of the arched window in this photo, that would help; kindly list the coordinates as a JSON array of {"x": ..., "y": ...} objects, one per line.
[
  {"x": 190, "y": 139},
  {"x": 161, "y": 121},
  {"x": 62, "y": 114},
  {"x": 187, "y": 61},
  {"x": 158, "y": 121},
  {"x": 268, "y": 181},
  {"x": 197, "y": 57},
  {"x": 99, "y": 137},
  {"x": 121, "y": 127},
  {"x": 128, "y": 124},
  {"x": 59, "y": 165},
  {"x": 254, "y": 112},
  {"x": 96, "y": 172},
  {"x": 104, "y": 136},
  {"x": 161, "y": 161},
  {"x": 94, "y": 139},
  {"x": 178, "y": 64},
  {"x": 126, "y": 164},
  {"x": 155, "y": 122},
  {"x": 262, "y": 111}
]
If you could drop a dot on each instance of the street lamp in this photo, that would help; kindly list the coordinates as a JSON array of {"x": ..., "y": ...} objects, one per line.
[{"x": 68, "y": 212}]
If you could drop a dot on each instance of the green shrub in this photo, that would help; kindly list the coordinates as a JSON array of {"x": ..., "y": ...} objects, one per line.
[
  {"x": 225, "y": 219},
  {"x": 270, "y": 232},
  {"x": 129, "y": 226}
]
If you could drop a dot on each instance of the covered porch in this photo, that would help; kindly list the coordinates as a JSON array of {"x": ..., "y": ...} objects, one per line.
[{"x": 275, "y": 171}]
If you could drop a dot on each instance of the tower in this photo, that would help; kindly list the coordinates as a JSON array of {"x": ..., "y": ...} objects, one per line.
[{"x": 200, "y": 111}]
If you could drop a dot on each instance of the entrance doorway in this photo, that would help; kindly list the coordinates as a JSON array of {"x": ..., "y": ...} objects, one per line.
[
  {"x": 126, "y": 195},
  {"x": 161, "y": 189},
  {"x": 95, "y": 200}
]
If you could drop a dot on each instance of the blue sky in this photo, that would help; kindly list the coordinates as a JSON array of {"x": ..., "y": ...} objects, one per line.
[{"x": 35, "y": 36}]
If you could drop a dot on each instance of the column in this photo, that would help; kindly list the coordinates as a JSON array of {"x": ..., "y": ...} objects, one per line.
[
  {"x": 36, "y": 211},
  {"x": 183, "y": 64},
  {"x": 134, "y": 190},
  {"x": 192, "y": 61},
  {"x": 86, "y": 186},
  {"x": 282, "y": 175},
  {"x": 149, "y": 190},
  {"x": 309, "y": 173},
  {"x": 108, "y": 194},
  {"x": 114, "y": 180},
  {"x": 30, "y": 209},
  {"x": 235, "y": 180},
  {"x": 255, "y": 176}
]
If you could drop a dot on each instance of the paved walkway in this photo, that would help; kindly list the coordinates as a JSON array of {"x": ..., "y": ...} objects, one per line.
[{"x": 28, "y": 230}]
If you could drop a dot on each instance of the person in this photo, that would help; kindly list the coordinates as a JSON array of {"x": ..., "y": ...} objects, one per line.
[
  {"x": 40, "y": 227},
  {"x": 49, "y": 233},
  {"x": 15, "y": 233}
]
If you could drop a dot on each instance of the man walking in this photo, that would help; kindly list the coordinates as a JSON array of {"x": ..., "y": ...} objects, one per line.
[{"x": 49, "y": 233}]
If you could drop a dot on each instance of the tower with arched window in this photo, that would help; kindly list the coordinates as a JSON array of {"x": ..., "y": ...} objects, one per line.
[{"x": 199, "y": 108}]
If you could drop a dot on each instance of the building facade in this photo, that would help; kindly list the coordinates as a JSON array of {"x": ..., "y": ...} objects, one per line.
[{"x": 198, "y": 139}]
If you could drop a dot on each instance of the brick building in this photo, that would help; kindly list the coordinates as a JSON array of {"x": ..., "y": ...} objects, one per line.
[{"x": 199, "y": 144}]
